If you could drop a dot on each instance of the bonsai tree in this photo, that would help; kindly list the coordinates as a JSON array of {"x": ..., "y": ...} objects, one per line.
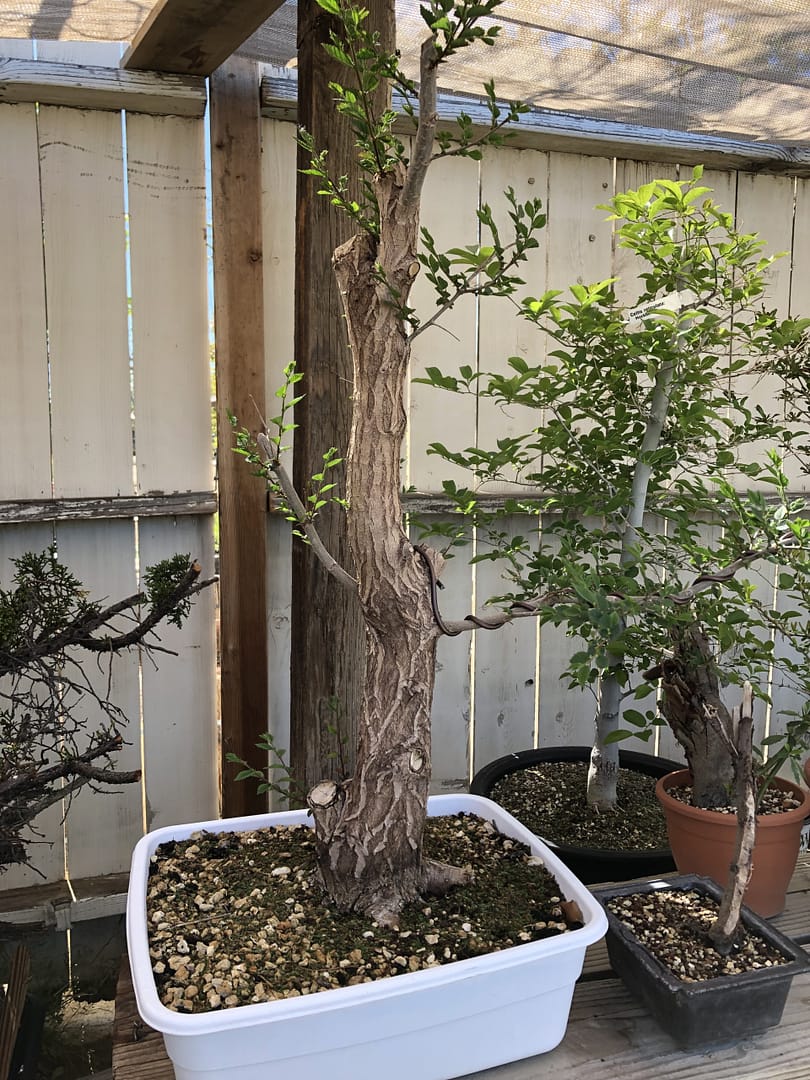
[
  {"x": 369, "y": 829},
  {"x": 643, "y": 434},
  {"x": 49, "y": 627}
]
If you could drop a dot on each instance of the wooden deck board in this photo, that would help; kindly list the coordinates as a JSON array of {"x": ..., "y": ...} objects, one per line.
[{"x": 609, "y": 1033}]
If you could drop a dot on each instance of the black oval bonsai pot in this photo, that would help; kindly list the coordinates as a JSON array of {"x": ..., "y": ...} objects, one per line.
[
  {"x": 709, "y": 1012},
  {"x": 590, "y": 865}
]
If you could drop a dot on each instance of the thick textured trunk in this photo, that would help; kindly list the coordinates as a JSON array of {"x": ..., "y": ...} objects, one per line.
[
  {"x": 370, "y": 829},
  {"x": 694, "y": 710}
]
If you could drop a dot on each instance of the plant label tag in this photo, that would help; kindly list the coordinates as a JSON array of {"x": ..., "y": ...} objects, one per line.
[{"x": 674, "y": 301}]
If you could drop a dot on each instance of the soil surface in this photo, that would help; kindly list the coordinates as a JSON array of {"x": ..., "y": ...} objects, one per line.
[
  {"x": 772, "y": 801},
  {"x": 673, "y": 924},
  {"x": 237, "y": 918},
  {"x": 550, "y": 799}
]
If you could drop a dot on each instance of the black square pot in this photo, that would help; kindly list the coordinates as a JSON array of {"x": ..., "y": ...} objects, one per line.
[{"x": 699, "y": 1014}]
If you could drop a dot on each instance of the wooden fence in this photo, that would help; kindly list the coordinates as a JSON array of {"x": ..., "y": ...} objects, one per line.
[
  {"x": 501, "y": 692},
  {"x": 105, "y": 412},
  {"x": 105, "y": 423}
]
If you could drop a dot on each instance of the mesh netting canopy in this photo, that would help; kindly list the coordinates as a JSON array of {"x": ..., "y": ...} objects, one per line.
[{"x": 737, "y": 68}]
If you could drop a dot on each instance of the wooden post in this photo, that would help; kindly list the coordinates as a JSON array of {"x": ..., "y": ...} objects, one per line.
[
  {"x": 328, "y": 640},
  {"x": 236, "y": 189}
]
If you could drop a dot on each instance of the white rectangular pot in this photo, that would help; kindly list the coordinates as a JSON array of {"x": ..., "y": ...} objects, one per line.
[{"x": 435, "y": 1024}]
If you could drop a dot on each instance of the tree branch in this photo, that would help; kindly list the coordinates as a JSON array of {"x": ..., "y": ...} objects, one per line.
[
  {"x": 302, "y": 519},
  {"x": 80, "y": 764},
  {"x": 426, "y": 131},
  {"x": 533, "y": 607},
  {"x": 705, "y": 581},
  {"x": 79, "y": 631},
  {"x": 463, "y": 290}
]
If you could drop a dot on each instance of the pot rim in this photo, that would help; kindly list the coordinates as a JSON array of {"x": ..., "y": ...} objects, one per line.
[
  {"x": 797, "y": 960},
  {"x": 498, "y": 768},
  {"x": 393, "y": 988},
  {"x": 764, "y": 821}
]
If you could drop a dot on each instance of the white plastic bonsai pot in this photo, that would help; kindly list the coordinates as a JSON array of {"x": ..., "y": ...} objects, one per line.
[{"x": 435, "y": 1024}]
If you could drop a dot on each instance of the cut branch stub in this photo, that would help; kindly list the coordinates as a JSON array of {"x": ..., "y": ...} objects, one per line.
[{"x": 323, "y": 795}]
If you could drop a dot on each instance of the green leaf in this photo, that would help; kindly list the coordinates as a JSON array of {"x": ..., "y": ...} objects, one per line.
[
  {"x": 634, "y": 717},
  {"x": 618, "y": 736}
]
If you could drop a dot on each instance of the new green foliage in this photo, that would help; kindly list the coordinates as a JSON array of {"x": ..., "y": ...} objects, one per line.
[{"x": 661, "y": 485}]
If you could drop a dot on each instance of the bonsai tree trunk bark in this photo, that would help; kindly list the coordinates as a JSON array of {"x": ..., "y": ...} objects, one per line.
[
  {"x": 603, "y": 766},
  {"x": 724, "y": 930},
  {"x": 369, "y": 830},
  {"x": 693, "y": 709},
  {"x": 603, "y": 771}
]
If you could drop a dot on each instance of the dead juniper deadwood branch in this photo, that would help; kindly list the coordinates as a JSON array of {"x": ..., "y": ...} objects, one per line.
[{"x": 50, "y": 685}]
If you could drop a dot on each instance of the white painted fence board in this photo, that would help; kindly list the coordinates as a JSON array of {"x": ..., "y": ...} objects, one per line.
[
  {"x": 578, "y": 235},
  {"x": 565, "y": 715},
  {"x": 505, "y": 665},
  {"x": 449, "y": 213},
  {"x": 83, "y": 223},
  {"x": 88, "y": 53},
  {"x": 89, "y": 85},
  {"x": 48, "y": 853},
  {"x": 166, "y": 172},
  {"x": 17, "y": 48},
  {"x": 451, "y": 714},
  {"x": 800, "y": 305},
  {"x": 179, "y": 695},
  {"x": 630, "y": 176},
  {"x": 102, "y": 829},
  {"x": 278, "y": 242},
  {"x": 579, "y": 252},
  {"x": 723, "y": 186},
  {"x": 279, "y": 630},
  {"x": 502, "y": 332},
  {"x": 765, "y": 206},
  {"x": 25, "y": 441}
]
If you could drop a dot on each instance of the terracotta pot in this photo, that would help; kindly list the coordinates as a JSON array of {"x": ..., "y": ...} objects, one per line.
[{"x": 702, "y": 842}]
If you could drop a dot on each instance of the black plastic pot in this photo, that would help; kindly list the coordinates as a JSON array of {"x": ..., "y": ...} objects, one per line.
[
  {"x": 589, "y": 864},
  {"x": 700, "y": 1014}
]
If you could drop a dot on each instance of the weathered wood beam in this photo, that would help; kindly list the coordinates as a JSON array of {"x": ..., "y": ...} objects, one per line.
[
  {"x": 425, "y": 502},
  {"x": 193, "y": 37},
  {"x": 327, "y": 631},
  {"x": 564, "y": 132},
  {"x": 238, "y": 313},
  {"x": 27, "y": 511},
  {"x": 60, "y": 905},
  {"x": 85, "y": 87}
]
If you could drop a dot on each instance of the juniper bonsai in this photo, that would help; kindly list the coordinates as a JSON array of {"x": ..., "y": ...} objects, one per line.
[{"x": 49, "y": 631}]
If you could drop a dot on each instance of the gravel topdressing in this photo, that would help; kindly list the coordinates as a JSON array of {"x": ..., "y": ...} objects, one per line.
[
  {"x": 238, "y": 918},
  {"x": 550, "y": 799},
  {"x": 673, "y": 924}
]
